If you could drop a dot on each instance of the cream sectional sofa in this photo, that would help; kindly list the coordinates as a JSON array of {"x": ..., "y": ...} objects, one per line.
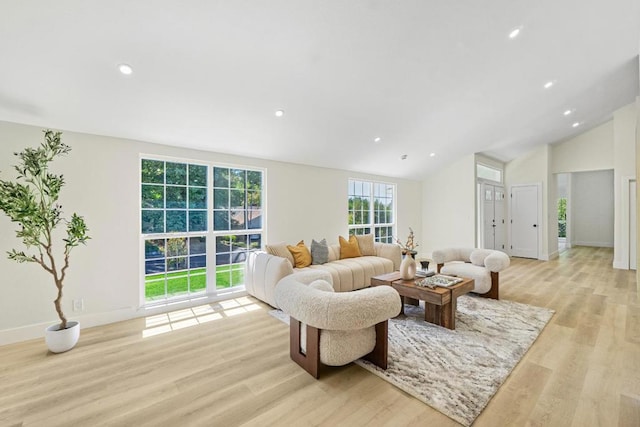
[{"x": 263, "y": 271}]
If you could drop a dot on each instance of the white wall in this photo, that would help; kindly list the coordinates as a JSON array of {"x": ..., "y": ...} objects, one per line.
[
  {"x": 592, "y": 208},
  {"x": 448, "y": 207},
  {"x": 562, "y": 180},
  {"x": 303, "y": 202},
  {"x": 533, "y": 168},
  {"x": 624, "y": 130},
  {"x": 592, "y": 150}
]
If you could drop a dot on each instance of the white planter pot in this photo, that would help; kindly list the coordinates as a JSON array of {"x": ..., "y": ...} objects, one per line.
[{"x": 61, "y": 340}]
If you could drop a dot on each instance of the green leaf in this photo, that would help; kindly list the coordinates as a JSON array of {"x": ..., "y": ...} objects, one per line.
[{"x": 21, "y": 256}]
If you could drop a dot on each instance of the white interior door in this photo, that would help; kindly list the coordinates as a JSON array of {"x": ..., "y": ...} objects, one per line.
[
  {"x": 524, "y": 221},
  {"x": 492, "y": 197},
  {"x": 632, "y": 226},
  {"x": 488, "y": 216}
]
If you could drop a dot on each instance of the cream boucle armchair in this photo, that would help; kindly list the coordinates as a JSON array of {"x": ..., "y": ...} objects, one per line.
[
  {"x": 481, "y": 265},
  {"x": 335, "y": 328}
]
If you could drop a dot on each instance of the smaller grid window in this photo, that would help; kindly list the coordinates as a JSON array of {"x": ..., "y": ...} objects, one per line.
[
  {"x": 237, "y": 199},
  {"x": 173, "y": 197},
  {"x": 231, "y": 254},
  {"x": 175, "y": 266},
  {"x": 371, "y": 207}
]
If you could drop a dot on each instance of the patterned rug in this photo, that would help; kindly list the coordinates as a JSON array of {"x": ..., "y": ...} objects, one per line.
[{"x": 458, "y": 372}]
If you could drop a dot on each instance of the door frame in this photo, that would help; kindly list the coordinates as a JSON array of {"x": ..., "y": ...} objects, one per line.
[
  {"x": 541, "y": 223},
  {"x": 480, "y": 243},
  {"x": 622, "y": 261}
]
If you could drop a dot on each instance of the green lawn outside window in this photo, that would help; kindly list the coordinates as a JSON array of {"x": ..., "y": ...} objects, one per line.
[{"x": 178, "y": 281}]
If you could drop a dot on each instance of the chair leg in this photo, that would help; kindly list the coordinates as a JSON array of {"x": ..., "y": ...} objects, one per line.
[
  {"x": 310, "y": 360},
  {"x": 379, "y": 354},
  {"x": 494, "y": 292}
]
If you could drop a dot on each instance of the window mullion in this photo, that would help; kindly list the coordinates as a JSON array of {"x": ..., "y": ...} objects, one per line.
[{"x": 211, "y": 240}]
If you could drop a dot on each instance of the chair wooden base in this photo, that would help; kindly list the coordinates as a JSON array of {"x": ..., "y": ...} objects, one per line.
[
  {"x": 494, "y": 292},
  {"x": 310, "y": 360}
]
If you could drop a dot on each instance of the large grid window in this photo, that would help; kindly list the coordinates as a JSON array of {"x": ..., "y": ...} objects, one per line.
[
  {"x": 372, "y": 209},
  {"x": 191, "y": 213}
]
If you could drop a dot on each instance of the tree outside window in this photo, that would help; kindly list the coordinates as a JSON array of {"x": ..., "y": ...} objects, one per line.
[
  {"x": 175, "y": 214},
  {"x": 562, "y": 217},
  {"x": 371, "y": 209}
]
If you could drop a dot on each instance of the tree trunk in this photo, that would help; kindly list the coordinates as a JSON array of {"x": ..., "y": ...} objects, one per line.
[{"x": 57, "y": 302}]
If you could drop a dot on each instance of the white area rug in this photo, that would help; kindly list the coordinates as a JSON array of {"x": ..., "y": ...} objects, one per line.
[{"x": 458, "y": 372}]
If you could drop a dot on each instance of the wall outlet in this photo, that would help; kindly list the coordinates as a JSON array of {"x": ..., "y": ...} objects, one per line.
[{"x": 78, "y": 304}]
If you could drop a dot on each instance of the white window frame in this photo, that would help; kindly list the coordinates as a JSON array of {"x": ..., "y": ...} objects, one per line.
[
  {"x": 492, "y": 167},
  {"x": 211, "y": 290},
  {"x": 371, "y": 224}
]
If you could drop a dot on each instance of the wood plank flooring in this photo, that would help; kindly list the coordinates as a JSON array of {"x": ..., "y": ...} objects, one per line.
[{"x": 228, "y": 364}]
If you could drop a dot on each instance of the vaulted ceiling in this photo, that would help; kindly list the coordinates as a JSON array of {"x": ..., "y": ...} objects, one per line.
[{"x": 423, "y": 76}]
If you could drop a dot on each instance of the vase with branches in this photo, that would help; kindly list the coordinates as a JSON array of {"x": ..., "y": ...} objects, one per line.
[
  {"x": 31, "y": 201},
  {"x": 408, "y": 248}
]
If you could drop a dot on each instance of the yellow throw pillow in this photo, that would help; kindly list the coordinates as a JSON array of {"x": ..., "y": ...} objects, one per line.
[
  {"x": 349, "y": 249},
  {"x": 301, "y": 254}
]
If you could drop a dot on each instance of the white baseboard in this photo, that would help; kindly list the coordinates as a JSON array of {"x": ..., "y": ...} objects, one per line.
[
  {"x": 29, "y": 332},
  {"x": 620, "y": 265},
  {"x": 553, "y": 255},
  {"x": 594, "y": 244},
  {"x": 34, "y": 331}
]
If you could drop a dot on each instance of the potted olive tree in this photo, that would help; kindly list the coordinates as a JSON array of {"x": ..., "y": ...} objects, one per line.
[{"x": 31, "y": 201}]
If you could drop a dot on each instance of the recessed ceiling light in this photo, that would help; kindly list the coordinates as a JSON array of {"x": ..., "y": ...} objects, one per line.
[
  {"x": 576, "y": 124},
  {"x": 567, "y": 112},
  {"x": 432, "y": 155},
  {"x": 403, "y": 157},
  {"x": 515, "y": 32},
  {"x": 279, "y": 113},
  {"x": 377, "y": 139},
  {"x": 548, "y": 84},
  {"x": 125, "y": 69}
]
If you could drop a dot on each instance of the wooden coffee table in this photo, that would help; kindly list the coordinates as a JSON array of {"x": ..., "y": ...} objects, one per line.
[{"x": 440, "y": 303}]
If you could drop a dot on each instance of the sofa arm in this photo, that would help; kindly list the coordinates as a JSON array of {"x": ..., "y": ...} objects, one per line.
[
  {"x": 441, "y": 256},
  {"x": 262, "y": 273},
  {"x": 338, "y": 311},
  {"x": 390, "y": 251},
  {"x": 497, "y": 261}
]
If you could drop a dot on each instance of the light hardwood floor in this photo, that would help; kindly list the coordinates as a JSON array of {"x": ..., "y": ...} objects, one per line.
[{"x": 228, "y": 364}]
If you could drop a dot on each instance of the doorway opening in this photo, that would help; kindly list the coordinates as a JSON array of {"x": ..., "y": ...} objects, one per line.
[
  {"x": 563, "y": 193},
  {"x": 562, "y": 224}
]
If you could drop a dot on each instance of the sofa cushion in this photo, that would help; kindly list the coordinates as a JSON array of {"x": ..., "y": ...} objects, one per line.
[
  {"x": 480, "y": 275},
  {"x": 354, "y": 273},
  {"x": 365, "y": 243},
  {"x": 280, "y": 249},
  {"x": 334, "y": 252},
  {"x": 349, "y": 249},
  {"x": 319, "y": 252},
  {"x": 300, "y": 254}
]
